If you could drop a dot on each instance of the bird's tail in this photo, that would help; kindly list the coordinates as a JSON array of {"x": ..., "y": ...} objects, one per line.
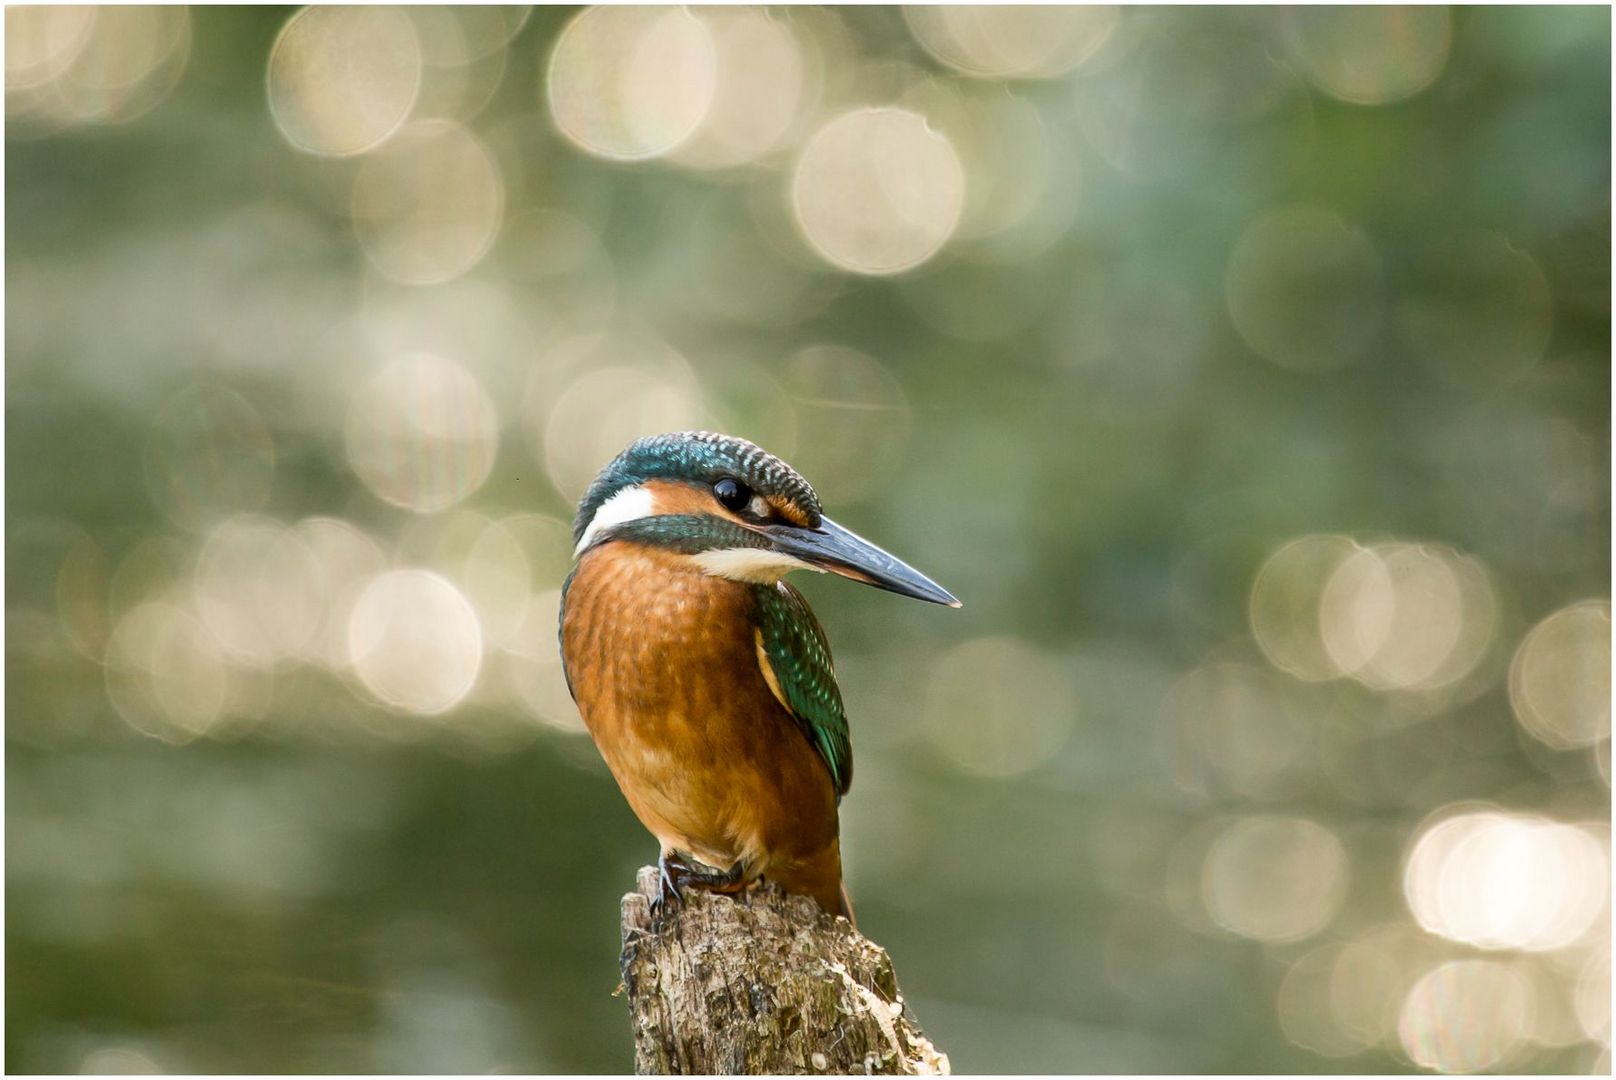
[{"x": 819, "y": 877}]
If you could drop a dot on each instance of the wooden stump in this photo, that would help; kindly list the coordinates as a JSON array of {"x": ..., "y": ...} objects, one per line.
[{"x": 762, "y": 983}]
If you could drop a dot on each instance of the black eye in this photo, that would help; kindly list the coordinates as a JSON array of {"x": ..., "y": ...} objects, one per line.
[{"x": 732, "y": 494}]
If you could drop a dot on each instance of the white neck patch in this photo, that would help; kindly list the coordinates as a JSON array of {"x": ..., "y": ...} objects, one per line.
[
  {"x": 757, "y": 565},
  {"x": 630, "y": 504}
]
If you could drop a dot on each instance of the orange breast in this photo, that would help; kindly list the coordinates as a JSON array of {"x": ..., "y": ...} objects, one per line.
[{"x": 664, "y": 664}]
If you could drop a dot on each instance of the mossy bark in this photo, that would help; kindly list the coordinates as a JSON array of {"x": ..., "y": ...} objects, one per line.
[{"x": 762, "y": 983}]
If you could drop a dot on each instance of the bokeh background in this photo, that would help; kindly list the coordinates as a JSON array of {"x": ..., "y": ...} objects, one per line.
[{"x": 1246, "y": 372}]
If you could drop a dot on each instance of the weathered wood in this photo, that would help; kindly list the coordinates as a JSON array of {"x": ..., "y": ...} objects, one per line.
[{"x": 762, "y": 983}]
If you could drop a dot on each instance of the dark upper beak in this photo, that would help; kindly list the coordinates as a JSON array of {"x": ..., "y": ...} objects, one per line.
[{"x": 844, "y": 552}]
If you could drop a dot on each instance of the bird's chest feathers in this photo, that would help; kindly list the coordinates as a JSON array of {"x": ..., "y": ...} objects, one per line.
[
  {"x": 664, "y": 664},
  {"x": 653, "y": 642}
]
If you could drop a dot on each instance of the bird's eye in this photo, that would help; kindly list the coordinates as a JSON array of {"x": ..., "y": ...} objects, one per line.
[{"x": 732, "y": 494}]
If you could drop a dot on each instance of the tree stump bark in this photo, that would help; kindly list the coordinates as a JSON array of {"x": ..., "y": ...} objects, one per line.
[{"x": 764, "y": 982}]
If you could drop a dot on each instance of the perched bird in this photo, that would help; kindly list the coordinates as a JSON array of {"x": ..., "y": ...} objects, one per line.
[{"x": 702, "y": 675}]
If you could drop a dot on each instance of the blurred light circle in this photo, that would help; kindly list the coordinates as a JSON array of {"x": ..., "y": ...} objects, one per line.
[
  {"x": 1478, "y": 624},
  {"x": 1274, "y": 878},
  {"x": 347, "y": 559},
  {"x": 1012, "y": 41},
  {"x": 1243, "y": 722},
  {"x": 1503, "y": 881},
  {"x": 134, "y": 56},
  {"x": 456, "y": 35},
  {"x": 1356, "y": 610},
  {"x": 427, "y": 205},
  {"x": 259, "y": 589},
  {"x": 1559, "y": 681},
  {"x": 457, "y": 91},
  {"x": 1004, "y": 147},
  {"x": 1406, "y": 616},
  {"x": 1366, "y": 985},
  {"x": 564, "y": 359},
  {"x": 1592, "y": 996},
  {"x": 488, "y": 28},
  {"x": 658, "y": 384},
  {"x": 856, "y": 416},
  {"x": 1285, "y": 600},
  {"x": 1030, "y": 217},
  {"x": 119, "y": 1061},
  {"x": 209, "y": 455},
  {"x": 343, "y": 79},
  {"x": 999, "y": 706},
  {"x": 844, "y": 69},
  {"x": 42, "y": 40},
  {"x": 463, "y": 50},
  {"x": 497, "y": 581},
  {"x": 422, "y": 433},
  {"x": 877, "y": 191},
  {"x": 56, "y": 593},
  {"x": 760, "y": 91},
  {"x": 1370, "y": 55},
  {"x": 1304, "y": 1008},
  {"x": 534, "y": 665},
  {"x": 1130, "y": 847},
  {"x": 604, "y": 411},
  {"x": 414, "y": 641},
  {"x": 1304, "y": 289},
  {"x": 1465, "y": 1016},
  {"x": 484, "y": 326},
  {"x": 1184, "y": 873},
  {"x": 165, "y": 673},
  {"x": 104, "y": 65},
  {"x": 1477, "y": 310},
  {"x": 1553, "y": 987},
  {"x": 631, "y": 83}
]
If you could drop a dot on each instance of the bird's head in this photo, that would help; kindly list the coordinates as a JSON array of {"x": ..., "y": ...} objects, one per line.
[{"x": 736, "y": 511}]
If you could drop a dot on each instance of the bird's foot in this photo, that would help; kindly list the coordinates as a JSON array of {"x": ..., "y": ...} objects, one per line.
[
  {"x": 667, "y": 894},
  {"x": 675, "y": 872}
]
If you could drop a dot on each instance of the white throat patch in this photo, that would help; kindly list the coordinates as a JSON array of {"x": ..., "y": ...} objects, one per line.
[
  {"x": 630, "y": 504},
  {"x": 757, "y": 565}
]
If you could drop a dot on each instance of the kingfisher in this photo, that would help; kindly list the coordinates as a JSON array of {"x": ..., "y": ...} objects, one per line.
[{"x": 702, "y": 675}]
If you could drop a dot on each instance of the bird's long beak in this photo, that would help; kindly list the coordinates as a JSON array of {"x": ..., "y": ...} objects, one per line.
[{"x": 844, "y": 552}]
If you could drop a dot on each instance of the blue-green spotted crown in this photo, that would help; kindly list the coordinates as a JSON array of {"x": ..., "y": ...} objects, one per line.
[{"x": 701, "y": 457}]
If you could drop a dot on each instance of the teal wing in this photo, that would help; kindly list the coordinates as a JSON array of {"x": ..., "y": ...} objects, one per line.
[{"x": 798, "y": 656}]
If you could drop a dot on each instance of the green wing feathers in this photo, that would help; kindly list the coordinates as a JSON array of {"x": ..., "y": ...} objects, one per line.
[{"x": 799, "y": 657}]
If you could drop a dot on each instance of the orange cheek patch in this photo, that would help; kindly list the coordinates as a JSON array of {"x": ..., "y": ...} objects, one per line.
[
  {"x": 787, "y": 510},
  {"x": 673, "y": 497}
]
